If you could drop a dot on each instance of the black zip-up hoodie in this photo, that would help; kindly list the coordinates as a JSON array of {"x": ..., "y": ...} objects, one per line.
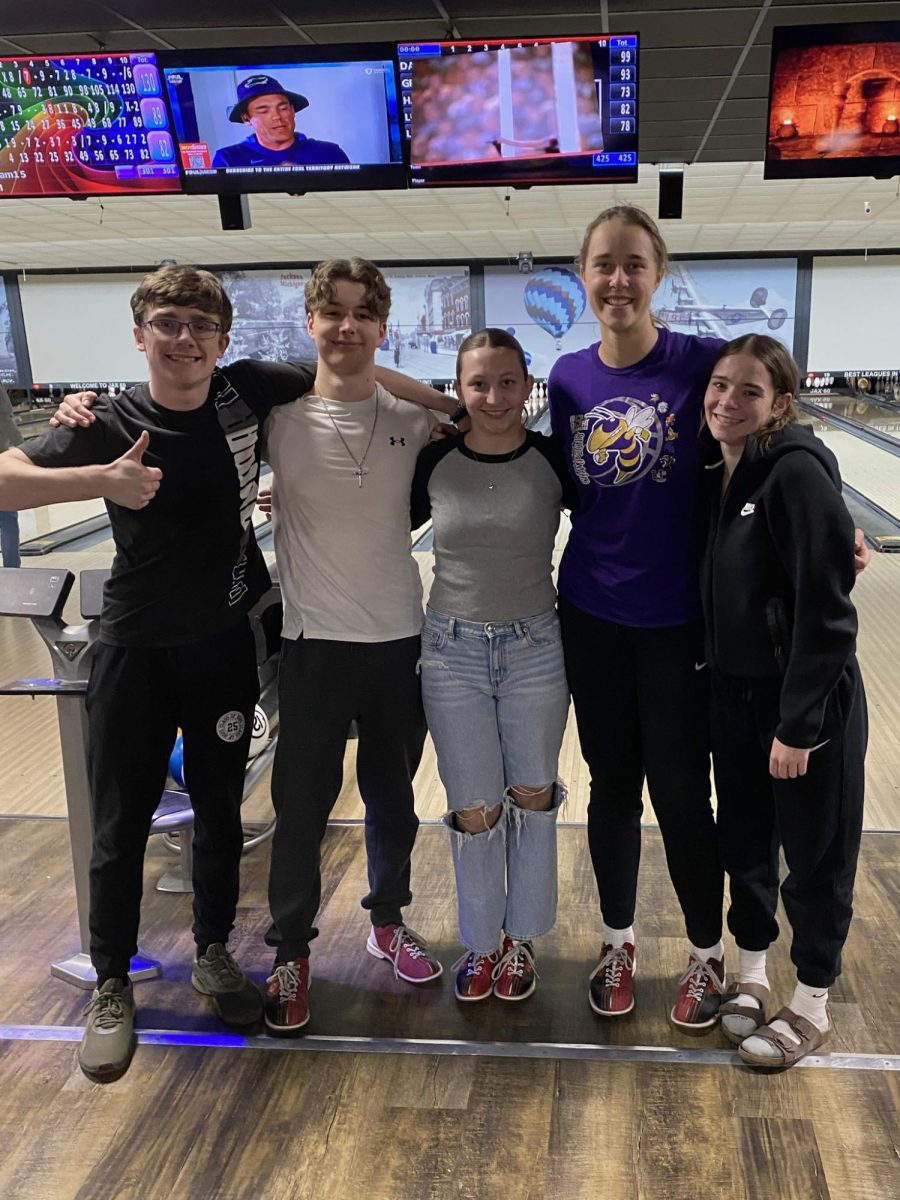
[{"x": 777, "y": 574}]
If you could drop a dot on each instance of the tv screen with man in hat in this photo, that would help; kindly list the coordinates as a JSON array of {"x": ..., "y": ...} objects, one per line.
[{"x": 286, "y": 127}]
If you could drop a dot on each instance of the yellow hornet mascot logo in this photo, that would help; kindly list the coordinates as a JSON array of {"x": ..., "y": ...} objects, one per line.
[
  {"x": 617, "y": 442},
  {"x": 626, "y": 437}
]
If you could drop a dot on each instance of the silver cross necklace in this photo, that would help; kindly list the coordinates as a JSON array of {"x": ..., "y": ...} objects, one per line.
[{"x": 361, "y": 468}]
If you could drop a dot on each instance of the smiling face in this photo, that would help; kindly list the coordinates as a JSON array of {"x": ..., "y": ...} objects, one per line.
[
  {"x": 346, "y": 329},
  {"x": 272, "y": 119},
  {"x": 181, "y": 363},
  {"x": 621, "y": 272},
  {"x": 741, "y": 399},
  {"x": 494, "y": 388}
]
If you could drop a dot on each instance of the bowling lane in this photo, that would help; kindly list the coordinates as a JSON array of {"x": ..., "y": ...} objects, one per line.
[
  {"x": 880, "y": 415},
  {"x": 871, "y": 470}
]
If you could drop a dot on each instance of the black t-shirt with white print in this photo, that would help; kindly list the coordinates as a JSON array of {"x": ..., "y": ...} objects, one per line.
[{"x": 187, "y": 566}]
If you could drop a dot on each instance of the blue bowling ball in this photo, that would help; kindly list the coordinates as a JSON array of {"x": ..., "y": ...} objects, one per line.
[{"x": 176, "y": 762}]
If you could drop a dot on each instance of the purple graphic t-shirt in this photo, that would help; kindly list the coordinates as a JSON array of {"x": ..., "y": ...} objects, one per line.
[{"x": 630, "y": 436}]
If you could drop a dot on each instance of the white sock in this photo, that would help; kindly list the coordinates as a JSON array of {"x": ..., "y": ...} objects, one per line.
[
  {"x": 753, "y": 966},
  {"x": 811, "y": 1003},
  {"x": 752, "y": 970},
  {"x": 705, "y": 954},
  {"x": 618, "y": 937},
  {"x": 807, "y": 1002}
]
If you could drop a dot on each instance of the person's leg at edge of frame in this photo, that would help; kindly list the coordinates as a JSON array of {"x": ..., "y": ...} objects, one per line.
[
  {"x": 131, "y": 730},
  {"x": 610, "y": 740},
  {"x": 391, "y": 739},
  {"x": 316, "y": 687},
  {"x": 748, "y": 842},
  {"x": 818, "y": 890},
  {"x": 673, "y": 698},
  {"x": 219, "y": 687}
]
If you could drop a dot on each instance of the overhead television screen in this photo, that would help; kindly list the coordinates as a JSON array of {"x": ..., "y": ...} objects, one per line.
[
  {"x": 521, "y": 111},
  {"x": 834, "y": 101},
  {"x": 254, "y": 121},
  {"x": 84, "y": 125}
]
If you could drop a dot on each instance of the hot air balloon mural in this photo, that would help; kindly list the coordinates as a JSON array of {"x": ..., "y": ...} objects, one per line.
[{"x": 555, "y": 299}]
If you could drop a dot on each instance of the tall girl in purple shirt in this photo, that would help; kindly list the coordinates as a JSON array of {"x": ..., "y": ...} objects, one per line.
[{"x": 628, "y": 410}]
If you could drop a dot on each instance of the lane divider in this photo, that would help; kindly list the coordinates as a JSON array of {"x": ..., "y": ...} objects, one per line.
[{"x": 448, "y": 1047}]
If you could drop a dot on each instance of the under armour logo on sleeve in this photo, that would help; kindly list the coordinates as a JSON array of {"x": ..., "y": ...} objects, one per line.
[{"x": 398, "y": 441}]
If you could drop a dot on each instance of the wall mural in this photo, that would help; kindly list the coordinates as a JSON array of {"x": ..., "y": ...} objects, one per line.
[
  {"x": 548, "y": 311},
  {"x": 430, "y": 316}
]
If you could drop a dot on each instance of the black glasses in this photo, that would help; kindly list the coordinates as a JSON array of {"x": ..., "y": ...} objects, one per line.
[{"x": 169, "y": 327}]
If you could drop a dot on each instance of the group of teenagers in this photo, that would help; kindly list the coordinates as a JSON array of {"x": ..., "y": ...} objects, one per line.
[{"x": 703, "y": 607}]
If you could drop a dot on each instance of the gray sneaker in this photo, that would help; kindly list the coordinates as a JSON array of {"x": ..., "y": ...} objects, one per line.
[
  {"x": 108, "y": 1042},
  {"x": 236, "y": 1000}
]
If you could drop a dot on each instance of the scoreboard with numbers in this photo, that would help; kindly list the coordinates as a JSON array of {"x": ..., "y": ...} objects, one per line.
[
  {"x": 84, "y": 125},
  {"x": 521, "y": 111}
]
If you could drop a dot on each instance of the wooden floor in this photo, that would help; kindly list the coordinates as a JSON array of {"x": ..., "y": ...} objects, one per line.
[{"x": 288, "y": 1122}]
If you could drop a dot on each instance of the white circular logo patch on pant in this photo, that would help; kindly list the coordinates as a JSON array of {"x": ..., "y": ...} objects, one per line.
[{"x": 230, "y": 726}]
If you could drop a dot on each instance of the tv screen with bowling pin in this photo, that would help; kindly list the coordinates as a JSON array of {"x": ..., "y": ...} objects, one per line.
[{"x": 519, "y": 112}]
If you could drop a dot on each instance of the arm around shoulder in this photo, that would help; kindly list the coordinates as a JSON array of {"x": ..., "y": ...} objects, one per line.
[{"x": 414, "y": 390}]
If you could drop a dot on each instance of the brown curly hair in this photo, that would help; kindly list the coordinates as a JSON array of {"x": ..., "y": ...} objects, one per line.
[{"x": 320, "y": 289}]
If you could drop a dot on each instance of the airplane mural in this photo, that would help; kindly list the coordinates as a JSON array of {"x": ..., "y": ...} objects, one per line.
[{"x": 687, "y": 308}]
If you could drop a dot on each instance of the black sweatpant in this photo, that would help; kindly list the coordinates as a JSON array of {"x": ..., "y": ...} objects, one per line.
[
  {"x": 641, "y": 704},
  {"x": 136, "y": 700},
  {"x": 816, "y": 818},
  {"x": 322, "y": 687}
]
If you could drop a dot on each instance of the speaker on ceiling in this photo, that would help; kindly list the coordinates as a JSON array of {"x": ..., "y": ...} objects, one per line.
[
  {"x": 234, "y": 212},
  {"x": 671, "y": 193}
]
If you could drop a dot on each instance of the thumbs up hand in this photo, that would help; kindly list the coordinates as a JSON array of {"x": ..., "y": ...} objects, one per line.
[{"x": 128, "y": 482}]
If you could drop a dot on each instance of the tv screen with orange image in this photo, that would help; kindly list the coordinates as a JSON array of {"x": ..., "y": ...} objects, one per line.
[{"x": 834, "y": 101}]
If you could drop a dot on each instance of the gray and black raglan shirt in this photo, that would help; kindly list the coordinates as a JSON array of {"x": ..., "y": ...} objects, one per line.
[{"x": 495, "y": 519}]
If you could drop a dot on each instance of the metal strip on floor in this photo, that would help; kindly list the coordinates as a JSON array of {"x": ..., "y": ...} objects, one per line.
[{"x": 447, "y": 1047}]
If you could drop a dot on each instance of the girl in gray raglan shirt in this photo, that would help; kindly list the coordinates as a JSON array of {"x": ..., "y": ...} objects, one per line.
[{"x": 493, "y": 681}]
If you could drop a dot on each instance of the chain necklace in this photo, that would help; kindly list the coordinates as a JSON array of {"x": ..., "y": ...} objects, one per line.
[
  {"x": 501, "y": 463},
  {"x": 361, "y": 468}
]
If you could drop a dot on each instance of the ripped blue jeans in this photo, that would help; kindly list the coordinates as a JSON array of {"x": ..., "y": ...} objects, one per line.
[{"x": 496, "y": 702}]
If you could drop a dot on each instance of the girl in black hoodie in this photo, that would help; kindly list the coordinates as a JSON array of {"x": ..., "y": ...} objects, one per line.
[{"x": 788, "y": 707}]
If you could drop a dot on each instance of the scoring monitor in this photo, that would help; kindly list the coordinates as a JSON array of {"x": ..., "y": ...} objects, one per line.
[{"x": 84, "y": 125}]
